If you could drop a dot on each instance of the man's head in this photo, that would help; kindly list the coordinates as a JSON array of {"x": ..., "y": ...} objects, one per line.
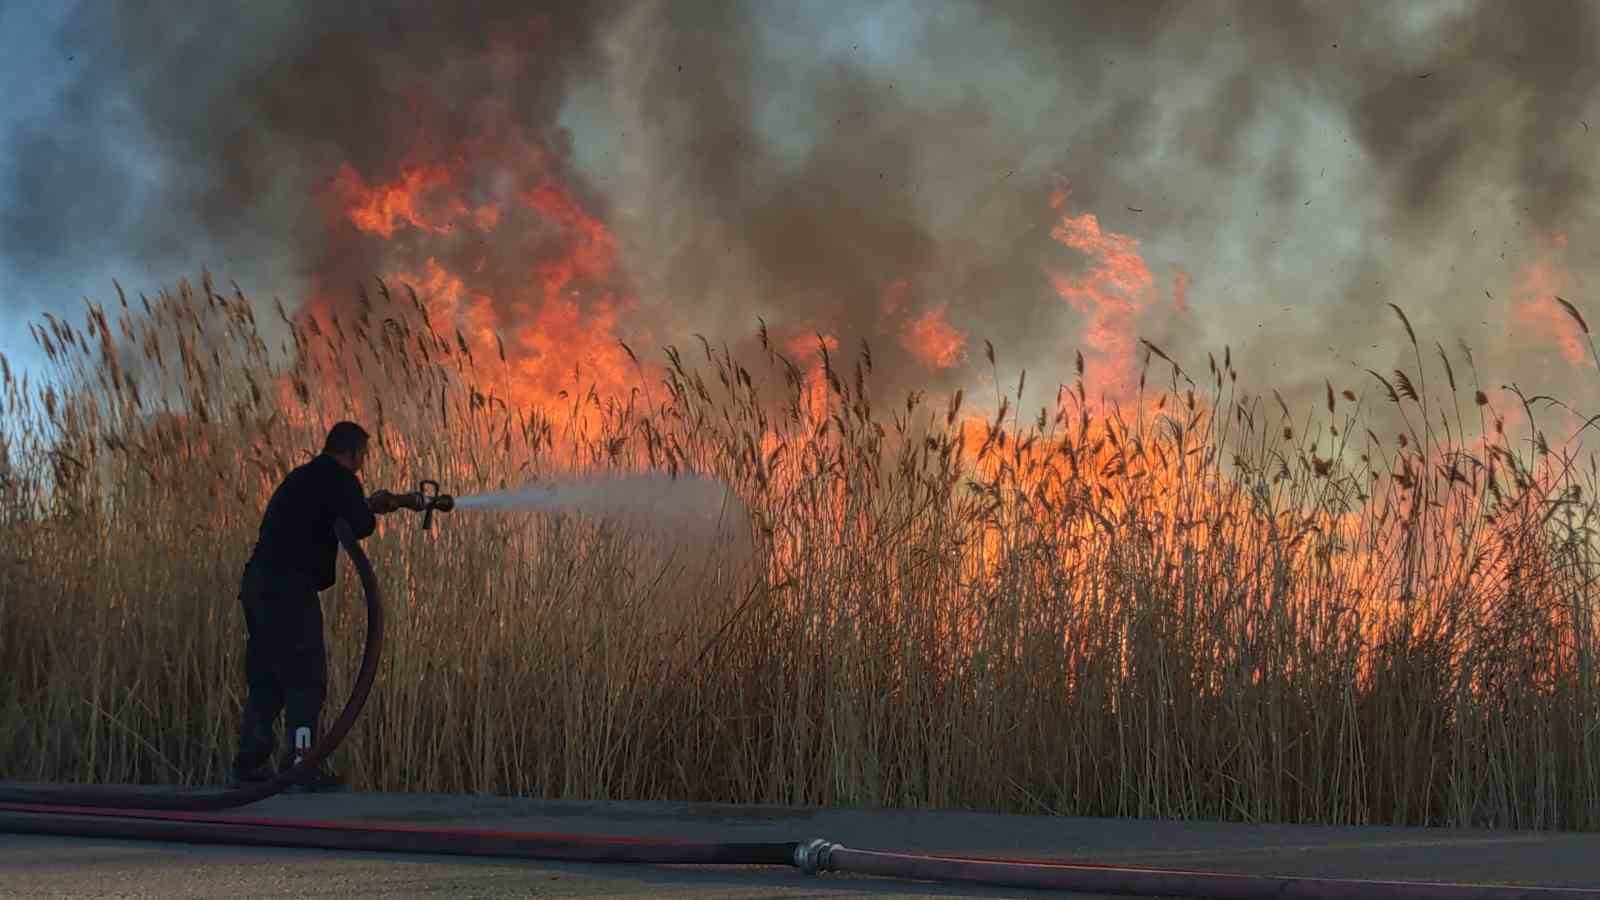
[{"x": 347, "y": 443}]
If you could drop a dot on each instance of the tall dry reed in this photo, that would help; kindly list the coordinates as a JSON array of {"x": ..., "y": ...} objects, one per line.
[{"x": 1205, "y": 605}]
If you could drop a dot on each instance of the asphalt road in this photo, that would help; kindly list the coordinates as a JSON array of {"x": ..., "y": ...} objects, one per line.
[{"x": 59, "y": 867}]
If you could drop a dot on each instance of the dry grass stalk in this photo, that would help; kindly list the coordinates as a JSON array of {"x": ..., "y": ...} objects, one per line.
[{"x": 1198, "y": 608}]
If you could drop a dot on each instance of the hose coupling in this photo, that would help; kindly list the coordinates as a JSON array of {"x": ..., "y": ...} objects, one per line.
[{"x": 813, "y": 856}]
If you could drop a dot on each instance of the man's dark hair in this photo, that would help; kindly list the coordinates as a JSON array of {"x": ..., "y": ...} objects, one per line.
[{"x": 344, "y": 437}]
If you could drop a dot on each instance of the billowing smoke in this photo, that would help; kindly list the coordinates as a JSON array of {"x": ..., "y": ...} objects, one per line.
[
  {"x": 209, "y": 134},
  {"x": 884, "y": 171}
]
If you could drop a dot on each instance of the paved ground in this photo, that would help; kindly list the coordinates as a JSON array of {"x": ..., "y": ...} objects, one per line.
[{"x": 37, "y": 866}]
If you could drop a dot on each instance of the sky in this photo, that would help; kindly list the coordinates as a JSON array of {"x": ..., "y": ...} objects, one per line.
[
  {"x": 28, "y": 63},
  {"x": 1264, "y": 176}
]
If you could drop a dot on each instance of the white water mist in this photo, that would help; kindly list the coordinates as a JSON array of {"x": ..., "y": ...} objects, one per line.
[{"x": 689, "y": 508}]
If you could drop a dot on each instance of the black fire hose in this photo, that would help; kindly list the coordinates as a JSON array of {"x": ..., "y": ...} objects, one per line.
[
  {"x": 814, "y": 857},
  {"x": 1039, "y": 874},
  {"x": 157, "y": 816}
]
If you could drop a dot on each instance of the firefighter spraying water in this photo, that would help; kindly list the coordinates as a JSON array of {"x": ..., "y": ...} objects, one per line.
[
  {"x": 293, "y": 561},
  {"x": 295, "y": 554}
]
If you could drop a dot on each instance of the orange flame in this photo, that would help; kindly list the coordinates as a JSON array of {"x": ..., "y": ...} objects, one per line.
[
  {"x": 1540, "y": 280},
  {"x": 1111, "y": 292},
  {"x": 548, "y": 334},
  {"x": 383, "y": 209},
  {"x": 814, "y": 390},
  {"x": 896, "y": 296},
  {"x": 934, "y": 341},
  {"x": 595, "y": 253}
]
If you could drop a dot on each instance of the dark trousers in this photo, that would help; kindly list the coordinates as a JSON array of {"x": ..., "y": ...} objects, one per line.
[{"x": 285, "y": 664}]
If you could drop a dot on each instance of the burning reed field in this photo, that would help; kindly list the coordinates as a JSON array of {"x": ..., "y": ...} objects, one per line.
[{"x": 1194, "y": 601}]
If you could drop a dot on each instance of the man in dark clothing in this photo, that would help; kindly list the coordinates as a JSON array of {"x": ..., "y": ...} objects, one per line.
[{"x": 294, "y": 559}]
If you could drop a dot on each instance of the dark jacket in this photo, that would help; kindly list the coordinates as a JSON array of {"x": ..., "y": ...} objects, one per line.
[{"x": 297, "y": 528}]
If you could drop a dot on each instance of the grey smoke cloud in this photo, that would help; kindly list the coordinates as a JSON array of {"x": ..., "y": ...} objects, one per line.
[{"x": 1302, "y": 164}]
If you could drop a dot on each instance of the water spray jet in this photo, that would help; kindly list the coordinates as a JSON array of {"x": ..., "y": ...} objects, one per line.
[{"x": 687, "y": 508}]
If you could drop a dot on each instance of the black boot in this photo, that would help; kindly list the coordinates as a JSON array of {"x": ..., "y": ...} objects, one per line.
[
  {"x": 251, "y": 775},
  {"x": 317, "y": 781}
]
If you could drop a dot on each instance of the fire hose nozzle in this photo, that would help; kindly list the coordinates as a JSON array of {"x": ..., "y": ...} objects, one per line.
[
  {"x": 425, "y": 499},
  {"x": 433, "y": 500}
]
